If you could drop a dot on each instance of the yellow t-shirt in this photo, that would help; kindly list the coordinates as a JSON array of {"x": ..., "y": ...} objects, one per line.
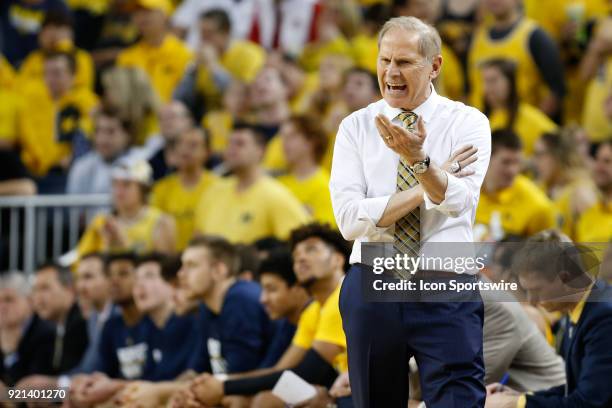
[
  {"x": 552, "y": 15},
  {"x": 515, "y": 47},
  {"x": 313, "y": 193},
  {"x": 265, "y": 209},
  {"x": 140, "y": 234},
  {"x": 323, "y": 323},
  {"x": 529, "y": 124},
  {"x": 165, "y": 64},
  {"x": 594, "y": 119},
  {"x": 9, "y": 108},
  {"x": 243, "y": 60},
  {"x": 523, "y": 207},
  {"x": 39, "y": 132},
  {"x": 33, "y": 66},
  {"x": 170, "y": 196},
  {"x": 595, "y": 224}
]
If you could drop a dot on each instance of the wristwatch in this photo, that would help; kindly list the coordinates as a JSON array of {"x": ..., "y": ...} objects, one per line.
[{"x": 420, "y": 167}]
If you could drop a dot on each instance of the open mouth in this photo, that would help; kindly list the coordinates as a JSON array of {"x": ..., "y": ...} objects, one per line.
[{"x": 394, "y": 87}]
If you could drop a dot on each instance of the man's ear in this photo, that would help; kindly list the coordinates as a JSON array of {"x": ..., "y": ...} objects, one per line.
[{"x": 436, "y": 67}]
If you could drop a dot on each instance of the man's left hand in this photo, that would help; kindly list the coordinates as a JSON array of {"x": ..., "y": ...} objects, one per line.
[
  {"x": 406, "y": 143},
  {"x": 207, "y": 389}
]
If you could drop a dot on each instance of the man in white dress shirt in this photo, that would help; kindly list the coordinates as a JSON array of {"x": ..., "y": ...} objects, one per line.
[{"x": 396, "y": 179}]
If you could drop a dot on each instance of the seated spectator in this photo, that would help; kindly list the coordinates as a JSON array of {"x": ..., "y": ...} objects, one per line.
[
  {"x": 539, "y": 70},
  {"x": 174, "y": 120},
  {"x": 91, "y": 173},
  {"x": 122, "y": 348},
  {"x": 56, "y": 35},
  {"x": 505, "y": 110},
  {"x": 318, "y": 350},
  {"x": 304, "y": 143},
  {"x": 128, "y": 90},
  {"x": 219, "y": 61},
  {"x": 163, "y": 56},
  {"x": 26, "y": 341},
  {"x": 20, "y": 24},
  {"x": 249, "y": 205},
  {"x": 53, "y": 299},
  {"x": 94, "y": 295},
  {"x": 563, "y": 175},
  {"x": 284, "y": 300},
  {"x": 173, "y": 343},
  {"x": 132, "y": 225},
  {"x": 55, "y": 132},
  {"x": 510, "y": 204},
  {"x": 552, "y": 271},
  {"x": 595, "y": 224},
  {"x": 178, "y": 194}
]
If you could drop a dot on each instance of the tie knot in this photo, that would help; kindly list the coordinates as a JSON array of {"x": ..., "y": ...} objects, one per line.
[{"x": 408, "y": 118}]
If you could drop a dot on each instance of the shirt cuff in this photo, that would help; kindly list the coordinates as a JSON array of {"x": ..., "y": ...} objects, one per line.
[
  {"x": 454, "y": 198},
  {"x": 522, "y": 401},
  {"x": 371, "y": 211}
]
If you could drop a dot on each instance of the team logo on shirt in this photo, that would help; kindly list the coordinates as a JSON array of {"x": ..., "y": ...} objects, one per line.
[
  {"x": 132, "y": 360},
  {"x": 246, "y": 218}
]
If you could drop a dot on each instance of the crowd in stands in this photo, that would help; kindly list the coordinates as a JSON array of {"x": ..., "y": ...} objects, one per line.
[{"x": 211, "y": 125}]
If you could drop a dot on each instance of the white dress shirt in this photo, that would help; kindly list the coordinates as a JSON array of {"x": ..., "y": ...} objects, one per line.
[{"x": 364, "y": 172}]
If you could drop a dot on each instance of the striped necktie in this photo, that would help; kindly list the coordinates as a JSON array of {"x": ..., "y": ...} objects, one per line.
[{"x": 407, "y": 234}]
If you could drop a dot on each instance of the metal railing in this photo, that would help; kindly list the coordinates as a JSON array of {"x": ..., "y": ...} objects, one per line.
[{"x": 34, "y": 229}]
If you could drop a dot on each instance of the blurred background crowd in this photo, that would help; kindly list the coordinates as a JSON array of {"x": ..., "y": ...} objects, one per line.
[{"x": 204, "y": 118}]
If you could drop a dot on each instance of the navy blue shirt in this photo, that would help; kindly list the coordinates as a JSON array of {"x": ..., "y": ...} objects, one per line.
[
  {"x": 20, "y": 24},
  {"x": 237, "y": 338},
  {"x": 282, "y": 334},
  {"x": 123, "y": 349},
  {"x": 173, "y": 349}
]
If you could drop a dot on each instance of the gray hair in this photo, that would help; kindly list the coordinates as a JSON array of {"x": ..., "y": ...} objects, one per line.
[
  {"x": 16, "y": 281},
  {"x": 430, "y": 43}
]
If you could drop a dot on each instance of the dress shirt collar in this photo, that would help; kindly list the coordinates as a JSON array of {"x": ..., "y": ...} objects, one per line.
[{"x": 424, "y": 110}]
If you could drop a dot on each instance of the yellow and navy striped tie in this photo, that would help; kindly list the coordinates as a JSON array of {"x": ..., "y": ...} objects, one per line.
[{"x": 407, "y": 234}]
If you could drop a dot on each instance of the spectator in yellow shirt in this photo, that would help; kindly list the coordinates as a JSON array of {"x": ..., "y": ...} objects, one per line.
[
  {"x": 504, "y": 108},
  {"x": 510, "y": 204},
  {"x": 595, "y": 224},
  {"x": 249, "y": 205},
  {"x": 304, "y": 144},
  {"x": 562, "y": 174},
  {"x": 510, "y": 35},
  {"x": 179, "y": 193},
  {"x": 54, "y": 121},
  {"x": 56, "y": 35},
  {"x": 219, "y": 60},
  {"x": 132, "y": 225},
  {"x": 160, "y": 54}
]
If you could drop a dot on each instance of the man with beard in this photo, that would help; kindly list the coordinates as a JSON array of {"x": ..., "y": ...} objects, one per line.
[{"x": 319, "y": 345}]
